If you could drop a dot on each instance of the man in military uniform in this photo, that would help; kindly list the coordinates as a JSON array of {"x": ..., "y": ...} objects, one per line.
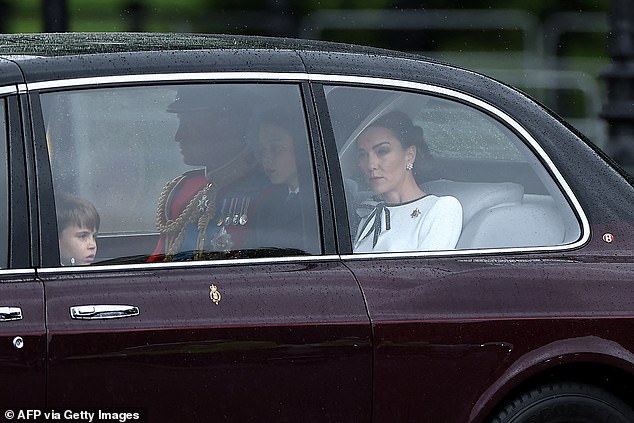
[{"x": 204, "y": 213}]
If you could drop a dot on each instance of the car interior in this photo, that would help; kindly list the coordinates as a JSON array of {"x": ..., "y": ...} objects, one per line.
[
  {"x": 509, "y": 199},
  {"x": 116, "y": 148}
]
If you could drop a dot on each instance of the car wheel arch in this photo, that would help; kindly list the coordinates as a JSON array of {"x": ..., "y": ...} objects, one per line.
[
  {"x": 569, "y": 400},
  {"x": 601, "y": 363}
]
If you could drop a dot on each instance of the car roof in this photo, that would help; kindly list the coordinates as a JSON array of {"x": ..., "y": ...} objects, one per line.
[
  {"x": 46, "y": 56},
  {"x": 43, "y": 57},
  {"x": 17, "y": 46}
]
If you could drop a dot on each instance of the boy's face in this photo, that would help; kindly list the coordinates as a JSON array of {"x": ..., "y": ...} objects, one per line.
[{"x": 77, "y": 245}]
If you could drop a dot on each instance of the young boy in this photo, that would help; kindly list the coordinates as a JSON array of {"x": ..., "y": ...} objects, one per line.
[{"x": 77, "y": 225}]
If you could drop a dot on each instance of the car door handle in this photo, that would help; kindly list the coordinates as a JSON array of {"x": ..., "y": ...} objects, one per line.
[
  {"x": 8, "y": 314},
  {"x": 87, "y": 312}
]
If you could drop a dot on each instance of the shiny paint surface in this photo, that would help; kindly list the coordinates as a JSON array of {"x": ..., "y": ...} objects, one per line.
[
  {"x": 453, "y": 368},
  {"x": 436, "y": 338},
  {"x": 22, "y": 370},
  {"x": 480, "y": 321},
  {"x": 268, "y": 348},
  {"x": 10, "y": 74}
]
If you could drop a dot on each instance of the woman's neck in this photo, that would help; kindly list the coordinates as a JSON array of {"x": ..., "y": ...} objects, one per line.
[{"x": 409, "y": 193}]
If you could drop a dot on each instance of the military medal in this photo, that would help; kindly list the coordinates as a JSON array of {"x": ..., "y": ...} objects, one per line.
[
  {"x": 243, "y": 211},
  {"x": 221, "y": 219},
  {"x": 232, "y": 209}
]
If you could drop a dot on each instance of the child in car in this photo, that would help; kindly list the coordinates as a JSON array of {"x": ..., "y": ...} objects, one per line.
[{"x": 77, "y": 225}]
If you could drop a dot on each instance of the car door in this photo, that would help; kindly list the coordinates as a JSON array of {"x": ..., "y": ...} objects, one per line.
[
  {"x": 446, "y": 320},
  {"x": 265, "y": 325},
  {"x": 22, "y": 326}
]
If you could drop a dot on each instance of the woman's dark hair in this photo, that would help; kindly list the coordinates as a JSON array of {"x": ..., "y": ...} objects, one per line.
[
  {"x": 401, "y": 125},
  {"x": 294, "y": 123},
  {"x": 285, "y": 118}
]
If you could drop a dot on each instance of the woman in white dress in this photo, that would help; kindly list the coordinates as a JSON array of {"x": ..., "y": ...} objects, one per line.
[{"x": 404, "y": 218}]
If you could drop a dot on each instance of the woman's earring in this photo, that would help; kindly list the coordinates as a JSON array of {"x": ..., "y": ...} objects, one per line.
[{"x": 409, "y": 166}]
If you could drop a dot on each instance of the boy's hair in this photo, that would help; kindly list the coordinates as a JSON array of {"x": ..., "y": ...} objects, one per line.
[{"x": 73, "y": 210}]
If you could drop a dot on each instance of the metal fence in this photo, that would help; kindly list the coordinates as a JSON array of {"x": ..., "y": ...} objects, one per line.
[{"x": 567, "y": 84}]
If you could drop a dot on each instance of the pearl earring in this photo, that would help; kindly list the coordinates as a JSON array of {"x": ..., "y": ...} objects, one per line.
[{"x": 409, "y": 166}]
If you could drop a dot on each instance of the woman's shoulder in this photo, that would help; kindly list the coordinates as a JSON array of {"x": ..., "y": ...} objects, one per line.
[
  {"x": 445, "y": 203},
  {"x": 446, "y": 200}
]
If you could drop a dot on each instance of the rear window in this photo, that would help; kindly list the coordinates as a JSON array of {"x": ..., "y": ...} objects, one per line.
[{"x": 426, "y": 173}]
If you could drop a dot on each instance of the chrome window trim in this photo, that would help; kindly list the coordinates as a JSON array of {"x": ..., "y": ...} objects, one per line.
[
  {"x": 331, "y": 78},
  {"x": 454, "y": 253},
  {"x": 563, "y": 184},
  {"x": 166, "y": 77},
  {"x": 187, "y": 264},
  {"x": 16, "y": 272},
  {"x": 8, "y": 89}
]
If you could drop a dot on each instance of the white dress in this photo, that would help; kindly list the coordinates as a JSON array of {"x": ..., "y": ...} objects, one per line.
[{"x": 426, "y": 224}]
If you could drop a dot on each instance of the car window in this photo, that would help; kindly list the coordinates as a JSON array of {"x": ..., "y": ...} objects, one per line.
[
  {"x": 424, "y": 172},
  {"x": 4, "y": 197},
  {"x": 181, "y": 172}
]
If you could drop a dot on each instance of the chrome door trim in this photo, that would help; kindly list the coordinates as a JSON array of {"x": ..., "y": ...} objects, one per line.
[{"x": 188, "y": 264}]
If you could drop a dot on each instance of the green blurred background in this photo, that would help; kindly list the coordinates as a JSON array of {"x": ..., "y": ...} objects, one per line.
[{"x": 555, "y": 50}]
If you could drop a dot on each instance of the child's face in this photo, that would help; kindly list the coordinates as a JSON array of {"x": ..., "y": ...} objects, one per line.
[
  {"x": 277, "y": 155},
  {"x": 77, "y": 245}
]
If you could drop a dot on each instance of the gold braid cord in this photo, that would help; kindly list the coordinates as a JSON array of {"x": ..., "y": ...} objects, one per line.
[
  {"x": 174, "y": 229},
  {"x": 201, "y": 209}
]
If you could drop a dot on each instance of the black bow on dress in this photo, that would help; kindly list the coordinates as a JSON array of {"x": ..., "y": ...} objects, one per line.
[{"x": 374, "y": 218}]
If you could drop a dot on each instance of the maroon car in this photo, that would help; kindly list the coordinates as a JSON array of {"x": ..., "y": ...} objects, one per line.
[{"x": 228, "y": 183}]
